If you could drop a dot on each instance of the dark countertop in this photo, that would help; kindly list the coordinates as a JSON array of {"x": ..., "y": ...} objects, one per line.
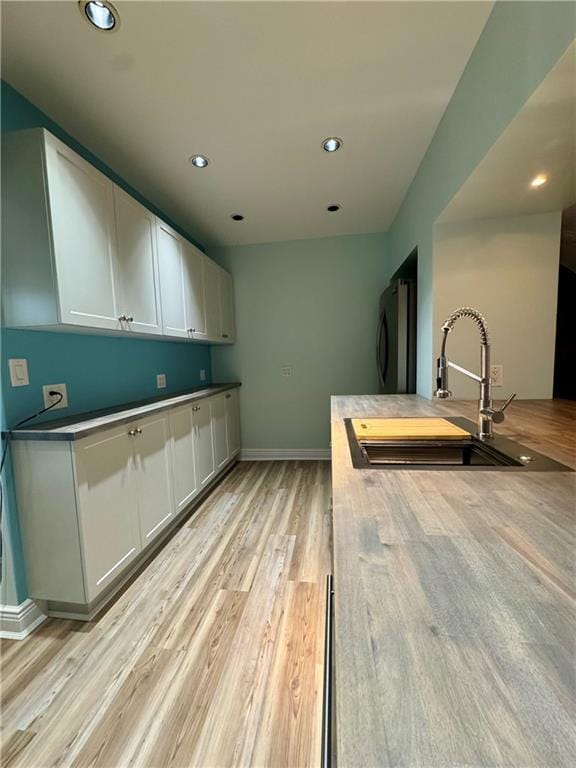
[
  {"x": 81, "y": 425},
  {"x": 454, "y": 601}
]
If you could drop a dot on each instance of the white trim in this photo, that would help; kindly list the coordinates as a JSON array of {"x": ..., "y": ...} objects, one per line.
[
  {"x": 18, "y": 621},
  {"x": 284, "y": 454}
]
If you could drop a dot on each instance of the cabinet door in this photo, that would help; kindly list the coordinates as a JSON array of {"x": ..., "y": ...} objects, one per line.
[
  {"x": 194, "y": 291},
  {"x": 82, "y": 212},
  {"x": 137, "y": 268},
  {"x": 171, "y": 281},
  {"x": 153, "y": 476},
  {"x": 231, "y": 401},
  {"x": 182, "y": 444},
  {"x": 226, "y": 301},
  {"x": 203, "y": 443},
  {"x": 107, "y": 504},
  {"x": 211, "y": 293},
  {"x": 218, "y": 415}
]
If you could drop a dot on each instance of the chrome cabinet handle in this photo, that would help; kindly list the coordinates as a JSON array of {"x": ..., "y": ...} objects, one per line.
[
  {"x": 123, "y": 318},
  {"x": 132, "y": 432},
  {"x": 224, "y": 335},
  {"x": 191, "y": 330},
  {"x": 129, "y": 319},
  {"x": 228, "y": 396},
  {"x": 138, "y": 431}
]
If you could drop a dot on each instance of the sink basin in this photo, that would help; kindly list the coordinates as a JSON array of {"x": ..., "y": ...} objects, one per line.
[{"x": 472, "y": 454}]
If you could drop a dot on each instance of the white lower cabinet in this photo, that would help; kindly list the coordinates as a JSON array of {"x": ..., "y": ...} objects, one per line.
[
  {"x": 183, "y": 464},
  {"x": 153, "y": 476},
  {"x": 218, "y": 414},
  {"x": 125, "y": 498},
  {"x": 232, "y": 406},
  {"x": 89, "y": 507},
  {"x": 203, "y": 443},
  {"x": 107, "y": 506}
]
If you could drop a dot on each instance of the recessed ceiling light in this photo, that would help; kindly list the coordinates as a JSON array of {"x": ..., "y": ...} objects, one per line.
[
  {"x": 237, "y": 217},
  {"x": 539, "y": 180},
  {"x": 101, "y": 15},
  {"x": 333, "y": 208},
  {"x": 199, "y": 161},
  {"x": 331, "y": 144}
]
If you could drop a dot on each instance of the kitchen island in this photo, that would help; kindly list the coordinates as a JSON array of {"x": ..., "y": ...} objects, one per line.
[{"x": 454, "y": 611}]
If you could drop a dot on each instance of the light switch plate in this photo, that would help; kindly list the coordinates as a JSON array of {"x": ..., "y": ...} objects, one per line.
[
  {"x": 18, "y": 372},
  {"x": 202, "y": 374},
  {"x": 497, "y": 375},
  {"x": 161, "y": 380},
  {"x": 49, "y": 399}
]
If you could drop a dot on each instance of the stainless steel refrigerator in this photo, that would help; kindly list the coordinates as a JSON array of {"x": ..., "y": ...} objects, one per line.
[{"x": 396, "y": 341}]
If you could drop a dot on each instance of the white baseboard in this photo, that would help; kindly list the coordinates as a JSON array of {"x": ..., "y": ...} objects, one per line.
[
  {"x": 284, "y": 454},
  {"x": 18, "y": 621}
]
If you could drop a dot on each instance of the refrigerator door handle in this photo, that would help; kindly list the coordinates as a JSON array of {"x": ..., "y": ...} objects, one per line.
[{"x": 382, "y": 334}]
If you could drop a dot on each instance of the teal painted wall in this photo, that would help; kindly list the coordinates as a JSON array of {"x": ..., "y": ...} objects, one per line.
[
  {"x": 520, "y": 44},
  {"x": 311, "y": 304},
  {"x": 99, "y": 371}
]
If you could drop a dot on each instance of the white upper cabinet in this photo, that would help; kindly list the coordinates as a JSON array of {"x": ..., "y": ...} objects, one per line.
[
  {"x": 195, "y": 302},
  {"x": 186, "y": 308},
  {"x": 211, "y": 293},
  {"x": 59, "y": 237},
  {"x": 82, "y": 210},
  {"x": 219, "y": 294},
  {"x": 79, "y": 251},
  {"x": 171, "y": 281},
  {"x": 226, "y": 301},
  {"x": 138, "y": 288}
]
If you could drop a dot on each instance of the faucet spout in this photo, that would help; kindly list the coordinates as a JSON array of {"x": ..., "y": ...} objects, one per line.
[{"x": 442, "y": 391}]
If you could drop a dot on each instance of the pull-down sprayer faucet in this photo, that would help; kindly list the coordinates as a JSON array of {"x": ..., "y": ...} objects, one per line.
[{"x": 486, "y": 413}]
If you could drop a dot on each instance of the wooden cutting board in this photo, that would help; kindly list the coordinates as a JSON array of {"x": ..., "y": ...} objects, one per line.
[{"x": 408, "y": 429}]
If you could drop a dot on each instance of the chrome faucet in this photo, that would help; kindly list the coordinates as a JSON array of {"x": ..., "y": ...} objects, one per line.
[{"x": 487, "y": 415}]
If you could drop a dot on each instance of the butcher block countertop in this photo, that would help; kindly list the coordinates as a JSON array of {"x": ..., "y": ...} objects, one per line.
[{"x": 454, "y": 600}]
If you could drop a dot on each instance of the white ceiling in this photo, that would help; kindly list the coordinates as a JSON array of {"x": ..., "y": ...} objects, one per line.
[
  {"x": 256, "y": 87},
  {"x": 541, "y": 139}
]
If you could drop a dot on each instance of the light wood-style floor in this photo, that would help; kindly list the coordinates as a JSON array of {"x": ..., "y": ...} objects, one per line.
[{"x": 213, "y": 656}]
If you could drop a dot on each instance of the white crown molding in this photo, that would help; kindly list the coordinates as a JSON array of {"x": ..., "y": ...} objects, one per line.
[
  {"x": 18, "y": 621},
  {"x": 285, "y": 454}
]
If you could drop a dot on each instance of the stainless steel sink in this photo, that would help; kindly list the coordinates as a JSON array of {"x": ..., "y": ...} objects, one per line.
[{"x": 498, "y": 453}]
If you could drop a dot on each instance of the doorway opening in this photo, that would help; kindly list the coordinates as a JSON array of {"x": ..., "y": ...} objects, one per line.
[
  {"x": 397, "y": 330},
  {"x": 564, "y": 365}
]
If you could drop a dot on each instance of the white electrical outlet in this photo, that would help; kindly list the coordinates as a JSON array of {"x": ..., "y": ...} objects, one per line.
[
  {"x": 497, "y": 375},
  {"x": 286, "y": 370},
  {"x": 202, "y": 374},
  {"x": 161, "y": 380},
  {"x": 49, "y": 399}
]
